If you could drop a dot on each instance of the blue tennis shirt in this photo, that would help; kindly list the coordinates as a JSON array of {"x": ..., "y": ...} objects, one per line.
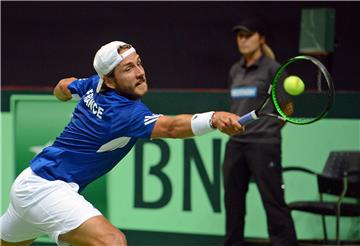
[{"x": 103, "y": 129}]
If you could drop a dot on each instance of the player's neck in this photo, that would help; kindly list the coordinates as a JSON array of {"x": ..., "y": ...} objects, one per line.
[{"x": 252, "y": 58}]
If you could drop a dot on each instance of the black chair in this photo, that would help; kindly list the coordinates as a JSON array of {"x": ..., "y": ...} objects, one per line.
[{"x": 340, "y": 177}]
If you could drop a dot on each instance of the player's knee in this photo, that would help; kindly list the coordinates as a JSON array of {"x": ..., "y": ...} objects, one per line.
[{"x": 112, "y": 238}]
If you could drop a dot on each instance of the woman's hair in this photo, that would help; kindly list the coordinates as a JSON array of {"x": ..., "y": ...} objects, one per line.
[{"x": 268, "y": 51}]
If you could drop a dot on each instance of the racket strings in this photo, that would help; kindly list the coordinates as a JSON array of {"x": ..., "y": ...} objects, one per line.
[{"x": 315, "y": 100}]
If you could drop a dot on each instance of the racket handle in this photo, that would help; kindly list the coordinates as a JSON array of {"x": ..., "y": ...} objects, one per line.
[{"x": 249, "y": 117}]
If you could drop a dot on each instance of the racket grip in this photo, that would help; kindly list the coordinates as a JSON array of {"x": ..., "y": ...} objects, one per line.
[{"x": 249, "y": 117}]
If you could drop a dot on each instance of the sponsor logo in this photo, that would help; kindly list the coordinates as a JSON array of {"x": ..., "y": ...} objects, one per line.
[{"x": 244, "y": 92}]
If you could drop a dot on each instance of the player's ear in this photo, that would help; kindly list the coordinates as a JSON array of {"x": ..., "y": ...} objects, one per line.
[{"x": 109, "y": 82}]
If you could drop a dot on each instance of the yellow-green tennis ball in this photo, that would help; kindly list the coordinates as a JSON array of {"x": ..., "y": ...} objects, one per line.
[{"x": 294, "y": 85}]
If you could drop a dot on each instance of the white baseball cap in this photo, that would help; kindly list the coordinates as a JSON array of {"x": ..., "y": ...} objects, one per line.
[{"x": 107, "y": 58}]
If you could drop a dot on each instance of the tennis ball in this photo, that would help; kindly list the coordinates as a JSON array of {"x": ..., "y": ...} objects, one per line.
[{"x": 294, "y": 85}]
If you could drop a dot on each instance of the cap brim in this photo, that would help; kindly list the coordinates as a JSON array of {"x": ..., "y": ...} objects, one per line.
[
  {"x": 99, "y": 85},
  {"x": 241, "y": 28}
]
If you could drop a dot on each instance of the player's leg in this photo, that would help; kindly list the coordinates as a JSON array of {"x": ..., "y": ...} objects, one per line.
[
  {"x": 266, "y": 169},
  {"x": 23, "y": 243},
  {"x": 95, "y": 231},
  {"x": 236, "y": 180},
  {"x": 39, "y": 207},
  {"x": 14, "y": 230}
]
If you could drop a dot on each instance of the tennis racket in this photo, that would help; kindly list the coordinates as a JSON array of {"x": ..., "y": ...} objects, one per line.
[{"x": 297, "y": 109}]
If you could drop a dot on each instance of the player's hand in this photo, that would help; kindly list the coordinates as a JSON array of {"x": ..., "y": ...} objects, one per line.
[
  {"x": 227, "y": 123},
  {"x": 61, "y": 90}
]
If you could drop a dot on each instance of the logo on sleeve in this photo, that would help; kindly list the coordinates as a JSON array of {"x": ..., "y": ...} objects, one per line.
[{"x": 151, "y": 118}]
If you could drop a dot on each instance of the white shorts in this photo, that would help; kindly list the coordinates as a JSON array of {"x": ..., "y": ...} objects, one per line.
[{"x": 39, "y": 206}]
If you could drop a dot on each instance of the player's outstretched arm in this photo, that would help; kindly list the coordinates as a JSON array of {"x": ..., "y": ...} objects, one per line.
[
  {"x": 61, "y": 90},
  {"x": 186, "y": 125}
]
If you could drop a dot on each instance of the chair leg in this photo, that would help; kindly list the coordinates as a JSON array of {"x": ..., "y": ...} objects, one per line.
[
  {"x": 337, "y": 230},
  {"x": 324, "y": 228},
  {"x": 338, "y": 207},
  {"x": 323, "y": 221}
]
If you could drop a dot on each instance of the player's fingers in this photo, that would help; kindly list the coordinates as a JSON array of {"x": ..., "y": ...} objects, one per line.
[
  {"x": 228, "y": 122},
  {"x": 232, "y": 127},
  {"x": 224, "y": 122},
  {"x": 236, "y": 125}
]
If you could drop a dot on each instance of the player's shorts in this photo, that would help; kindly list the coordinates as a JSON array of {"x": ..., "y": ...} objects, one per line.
[{"x": 42, "y": 207}]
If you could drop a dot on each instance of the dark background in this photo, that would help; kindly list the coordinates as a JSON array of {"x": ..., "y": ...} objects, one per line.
[{"x": 183, "y": 44}]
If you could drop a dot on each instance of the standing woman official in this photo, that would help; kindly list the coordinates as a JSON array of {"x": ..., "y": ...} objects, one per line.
[{"x": 257, "y": 152}]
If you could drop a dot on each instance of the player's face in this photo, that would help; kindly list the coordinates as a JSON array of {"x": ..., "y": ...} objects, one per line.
[
  {"x": 129, "y": 77},
  {"x": 249, "y": 43}
]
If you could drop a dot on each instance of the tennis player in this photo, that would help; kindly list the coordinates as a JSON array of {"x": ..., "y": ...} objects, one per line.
[{"x": 105, "y": 125}]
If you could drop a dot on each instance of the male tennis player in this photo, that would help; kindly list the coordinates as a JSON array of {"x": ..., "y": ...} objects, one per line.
[{"x": 106, "y": 123}]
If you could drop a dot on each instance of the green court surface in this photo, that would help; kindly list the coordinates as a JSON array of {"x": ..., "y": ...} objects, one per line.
[{"x": 141, "y": 238}]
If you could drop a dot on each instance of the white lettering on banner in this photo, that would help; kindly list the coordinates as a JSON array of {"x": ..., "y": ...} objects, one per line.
[{"x": 92, "y": 105}]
